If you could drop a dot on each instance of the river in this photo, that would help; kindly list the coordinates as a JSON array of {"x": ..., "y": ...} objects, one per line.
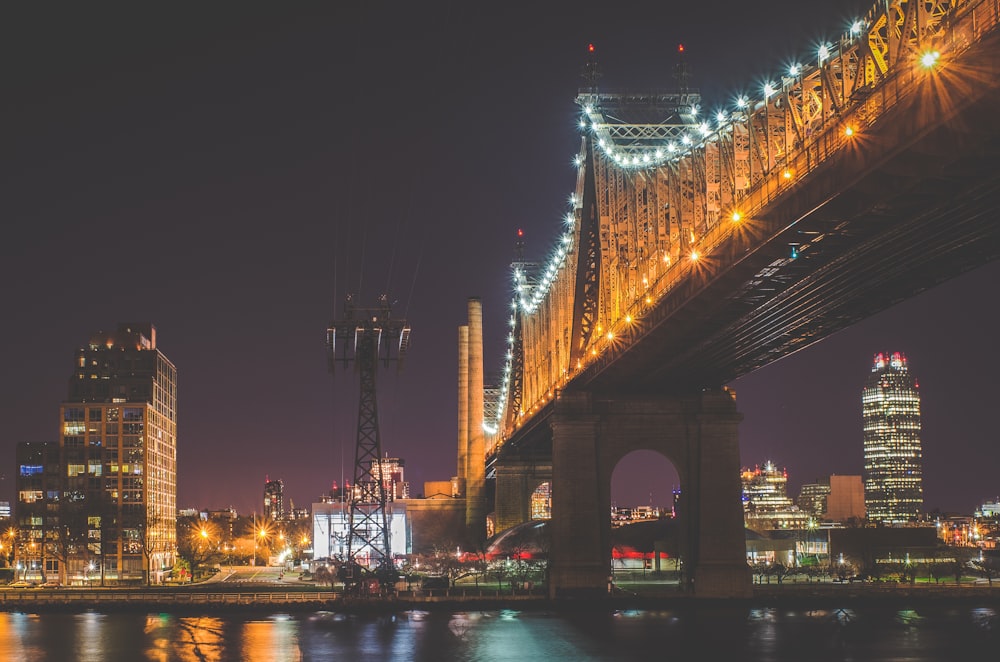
[{"x": 859, "y": 634}]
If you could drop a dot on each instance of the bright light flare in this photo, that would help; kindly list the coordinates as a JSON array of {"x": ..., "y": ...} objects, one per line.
[{"x": 929, "y": 59}]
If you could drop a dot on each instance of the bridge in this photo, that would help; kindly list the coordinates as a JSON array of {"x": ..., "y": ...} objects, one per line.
[{"x": 700, "y": 246}]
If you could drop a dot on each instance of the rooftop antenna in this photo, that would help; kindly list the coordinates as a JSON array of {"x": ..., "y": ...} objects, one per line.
[
  {"x": 681, "y": 73},
  {"x": 590, "y": 71}
]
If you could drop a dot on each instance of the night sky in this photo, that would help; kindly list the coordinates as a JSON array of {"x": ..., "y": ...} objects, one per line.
[{"x": 229, "y": 172}]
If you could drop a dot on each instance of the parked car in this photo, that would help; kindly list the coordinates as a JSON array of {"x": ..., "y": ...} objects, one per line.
[
  {"x": 52, "y": 583},
  {"x": 21, "y": 583}
]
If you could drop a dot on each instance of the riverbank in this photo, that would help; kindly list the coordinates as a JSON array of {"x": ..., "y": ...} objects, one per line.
[{"x": 807, "y": 596}]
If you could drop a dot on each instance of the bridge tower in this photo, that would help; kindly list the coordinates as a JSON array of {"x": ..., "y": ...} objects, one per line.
[{"x": 373, "y": 337}]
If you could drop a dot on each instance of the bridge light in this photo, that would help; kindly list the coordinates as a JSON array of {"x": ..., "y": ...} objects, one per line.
[
  {"x": 794, "y": 70},
  {"x": 787, "y": 174},
  {"x": 768, "y": 91},
  {"x": 628, "y": 319},
  {"x": 856, "y": 28},
  {"x": 666, "y": 258},
  {"x": 736, "y": 217},
  {"x": 929, "y": 59},
  {"x": 849, "y": 131},
  {"x": 824, "y": 53},
  {"x": 649, "y": 300},
  {"x": 695, "y": 256},
  {"x": 611, "y": 335}
]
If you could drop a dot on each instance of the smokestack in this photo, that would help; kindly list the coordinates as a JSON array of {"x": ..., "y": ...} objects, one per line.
[
  {"x": 475, "y": 471},
  {"x": 463, "y": 407}
]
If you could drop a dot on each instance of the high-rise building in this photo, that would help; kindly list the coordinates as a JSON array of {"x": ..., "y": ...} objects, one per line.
[
  {"x": 893, "y": 474},
  {"x": 766, "y": 504},
  {"x": 390, "y": 471},
  {"x": 37, "y": 510},
  {"x": 274, "y": 500},
  {"x": 813, "y": 496},
  {"x": 118, "y": 455}
]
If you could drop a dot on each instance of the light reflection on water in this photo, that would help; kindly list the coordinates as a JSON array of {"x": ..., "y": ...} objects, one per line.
[{"x": 925, "y": 633}]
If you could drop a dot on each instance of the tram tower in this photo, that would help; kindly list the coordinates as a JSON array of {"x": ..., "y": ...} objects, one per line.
[{"x": 368, "y": 336}]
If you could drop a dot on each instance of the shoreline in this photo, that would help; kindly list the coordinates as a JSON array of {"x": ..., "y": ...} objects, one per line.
[{"x": 800, "y": 596}]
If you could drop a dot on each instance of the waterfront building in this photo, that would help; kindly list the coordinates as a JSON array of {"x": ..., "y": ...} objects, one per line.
[
  {"x": 846, "y": 501},
  {"x": 38, "y": 484},
  {"x": 813, "y": 496},
  {"x": 766, "y": 504},
  {"x": 274, "y": 500},
  {"x": 331, "y": 526},
  {"x": 118, "y": 457},
  {"x": 893, "y": 471},
  {"x": 990, "y": 509}
]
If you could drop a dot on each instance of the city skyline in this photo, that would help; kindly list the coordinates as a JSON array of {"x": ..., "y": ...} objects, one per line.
[{"x": 230, "y": 176}]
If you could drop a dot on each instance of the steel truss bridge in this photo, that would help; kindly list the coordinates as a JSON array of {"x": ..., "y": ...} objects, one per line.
[{"x": 699, "y": 248}]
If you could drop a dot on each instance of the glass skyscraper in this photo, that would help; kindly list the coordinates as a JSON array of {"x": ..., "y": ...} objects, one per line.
[{"x": 893, "y": 476}]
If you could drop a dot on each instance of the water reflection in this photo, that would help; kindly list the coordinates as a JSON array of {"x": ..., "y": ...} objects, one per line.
[
  {"x": 698, "y": 632},
  {"x": 261, "y": 639}
]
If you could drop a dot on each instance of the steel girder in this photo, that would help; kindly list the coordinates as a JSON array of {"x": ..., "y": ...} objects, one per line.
[{"x": 666, "y": 183}]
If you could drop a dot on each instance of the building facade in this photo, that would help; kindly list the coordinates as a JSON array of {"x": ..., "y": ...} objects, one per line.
[
  {"x": 38, "y": 484},
  {"x": 846, "y": 502},
  {"x": 893, "y": 472},
  {"x": 766, "y": 504},
  {"x": 331, "y": 529},
  {"x": 118, "y": 460},
  {"x": 274, "y": 500}
]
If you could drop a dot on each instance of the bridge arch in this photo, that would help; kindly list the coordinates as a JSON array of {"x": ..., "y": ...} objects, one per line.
[
  {"x": 644, "y": 476},
  {"x": 698, "y": 433}
]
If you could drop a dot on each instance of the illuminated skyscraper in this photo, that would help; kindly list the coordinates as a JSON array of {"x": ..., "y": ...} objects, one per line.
[
  {"x": 274, "y": 500},
  {"x": 893, "y": 476},
  {"x": 118, "y": 451}
]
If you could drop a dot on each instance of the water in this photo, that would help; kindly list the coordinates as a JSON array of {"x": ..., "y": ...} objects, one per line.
[{"x": 938, "y": 632}]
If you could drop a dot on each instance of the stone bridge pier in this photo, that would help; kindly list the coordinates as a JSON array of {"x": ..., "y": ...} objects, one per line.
[{"x": 698, "y": 434}]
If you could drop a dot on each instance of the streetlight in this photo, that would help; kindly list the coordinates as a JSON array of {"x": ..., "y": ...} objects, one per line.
[{"x": 262, "y": 534}]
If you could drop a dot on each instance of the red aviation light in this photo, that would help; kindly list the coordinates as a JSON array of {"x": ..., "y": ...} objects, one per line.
[
  {"x": 590, "y": 48},
  {"x": 680, "y": 48},
  {"x": 520, "y": 232}
]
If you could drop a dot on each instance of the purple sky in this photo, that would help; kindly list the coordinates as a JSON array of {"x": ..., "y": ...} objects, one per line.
[{"x": 229, "y": 173}]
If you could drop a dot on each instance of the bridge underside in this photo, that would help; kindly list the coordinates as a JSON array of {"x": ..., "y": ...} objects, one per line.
[{"x": 913, "y": 204}]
